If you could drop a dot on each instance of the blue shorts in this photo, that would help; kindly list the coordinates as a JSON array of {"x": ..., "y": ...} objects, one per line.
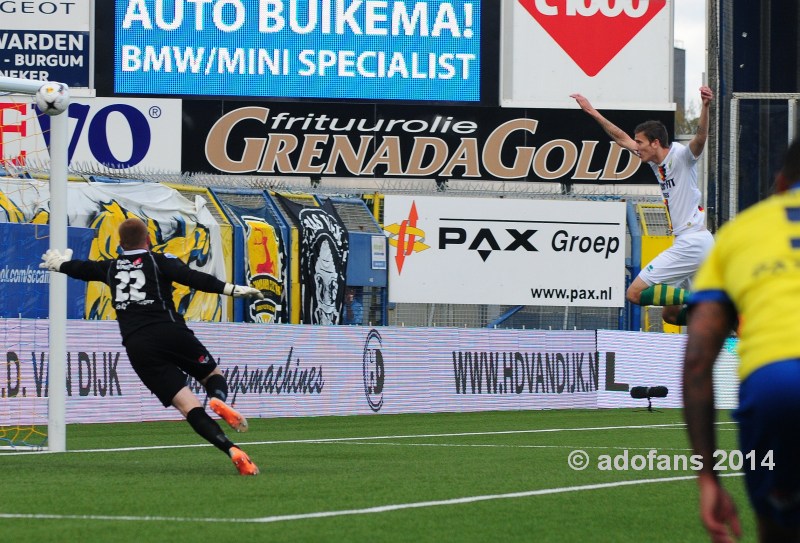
[{"x": 769, "y": 420}]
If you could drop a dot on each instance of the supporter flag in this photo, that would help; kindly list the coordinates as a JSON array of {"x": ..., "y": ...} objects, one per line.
[
  {"x": 324, "y": 248},
  {"x": 265, "y": 270}
]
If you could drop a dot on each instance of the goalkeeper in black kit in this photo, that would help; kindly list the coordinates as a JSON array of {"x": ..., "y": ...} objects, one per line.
[{"x": 161, "y": 348}]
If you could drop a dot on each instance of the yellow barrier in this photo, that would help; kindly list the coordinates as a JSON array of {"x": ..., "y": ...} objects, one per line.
[{"x": 656, "y": 237}]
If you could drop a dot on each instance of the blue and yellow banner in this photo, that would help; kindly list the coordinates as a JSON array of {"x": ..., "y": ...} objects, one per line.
[
  {"x": 177, "y": 225},
  {"x": 24, "y": 287}
]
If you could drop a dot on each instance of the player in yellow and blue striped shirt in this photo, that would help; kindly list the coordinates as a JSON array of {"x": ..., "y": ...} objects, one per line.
[{"x": 752, "y": 278}]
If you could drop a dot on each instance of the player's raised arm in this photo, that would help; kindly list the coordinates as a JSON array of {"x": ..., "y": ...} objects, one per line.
[
  {"x": 619, "y": 136},
  {"x": 698, "y": 142}
]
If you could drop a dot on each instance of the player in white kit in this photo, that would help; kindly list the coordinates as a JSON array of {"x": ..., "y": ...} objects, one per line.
[{"x": 666, "y": 280}]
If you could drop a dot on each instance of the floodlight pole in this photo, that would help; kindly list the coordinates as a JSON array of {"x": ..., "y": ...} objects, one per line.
[{"x": 57, "y": 374}]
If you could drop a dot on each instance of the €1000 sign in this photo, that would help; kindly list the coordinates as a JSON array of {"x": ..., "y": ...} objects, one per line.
[{"x": 592, "y": 32}]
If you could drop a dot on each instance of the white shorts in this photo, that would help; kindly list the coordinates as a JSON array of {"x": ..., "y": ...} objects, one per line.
[{"x": 677, "y": 265}]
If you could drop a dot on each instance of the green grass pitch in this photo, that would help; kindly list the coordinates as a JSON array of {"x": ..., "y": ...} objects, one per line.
[{"x": 463, "y": 477}]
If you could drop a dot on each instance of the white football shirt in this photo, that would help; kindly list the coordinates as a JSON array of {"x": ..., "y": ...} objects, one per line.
[{"x": 677, "y": 178}]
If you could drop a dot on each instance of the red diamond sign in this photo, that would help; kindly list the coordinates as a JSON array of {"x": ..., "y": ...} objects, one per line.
[{"x": 592, "y": 32}]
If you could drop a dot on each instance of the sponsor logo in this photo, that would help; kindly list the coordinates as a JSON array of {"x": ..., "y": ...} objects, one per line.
[
  {"x": 593, "y": 32},
  {"x": 517, "y": 372},
  {"x": 256, "y": 140},
  {"x": 533, "y": 372},
  {"x": 117, "y": 134},
  {"x": 88, "y": 373},
  {"x": 485, "y": 241},
  {"x": 46, "y": 56},
  {"x": 406, "y": 237},
  {"x": 292, "y": 378},
  {"x": 39, "y": 7},
  {"x": 374, "y": 373}
]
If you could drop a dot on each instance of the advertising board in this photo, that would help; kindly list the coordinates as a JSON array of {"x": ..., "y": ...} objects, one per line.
[
  {"x": 105, "y": 134},
  {"x": 505, "y": 251},
  {"x": 404, "y": 50},
  {"x": 306, "y": 371},
  {"x": 404, "y": 141},
  {"x": 48, "y": 40},
  {"x": 617, "y": 53}
]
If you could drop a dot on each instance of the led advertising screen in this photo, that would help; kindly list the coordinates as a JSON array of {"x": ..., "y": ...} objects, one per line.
[{"x": 342, "y": 49}]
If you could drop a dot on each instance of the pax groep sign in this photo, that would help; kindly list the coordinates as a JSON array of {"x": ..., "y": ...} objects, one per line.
[
  {"x": 505, "y": 251},
  {"x": 399, "y": 50},
  {"x": 593, "y": 47}
]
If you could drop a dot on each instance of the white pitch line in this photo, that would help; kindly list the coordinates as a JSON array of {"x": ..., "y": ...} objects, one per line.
[
  {"x": 365, "y": 511},
  {"x": 500, "y": 446},
  {"x": 677, "y": 425}
]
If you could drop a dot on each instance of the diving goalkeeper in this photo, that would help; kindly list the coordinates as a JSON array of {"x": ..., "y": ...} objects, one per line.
[{"x": 161, "y": 348}]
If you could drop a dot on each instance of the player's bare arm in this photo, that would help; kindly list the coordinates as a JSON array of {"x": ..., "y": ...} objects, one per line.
[
  {"x": 698, "y": 142},
  {"x": 619, "y": 136},
  {"x": 709, "y": 324},
  {"x": 717, "y": 510}
]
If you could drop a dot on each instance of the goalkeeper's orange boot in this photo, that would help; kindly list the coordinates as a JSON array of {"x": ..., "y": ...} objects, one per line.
[
  {"x": 243, "y": 462},
  {"x": 234, "y": 419}
]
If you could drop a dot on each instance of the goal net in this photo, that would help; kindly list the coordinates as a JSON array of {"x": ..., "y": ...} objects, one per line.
[
  {"x": 23, "y": 411},
  {"x": 25, "y": 131},
  {"x": 762, "y": 125},
  {"x": 33, "y": 140}
]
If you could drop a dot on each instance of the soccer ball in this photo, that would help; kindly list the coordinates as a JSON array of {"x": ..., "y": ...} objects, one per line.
[{"x": 52, "y": 98}]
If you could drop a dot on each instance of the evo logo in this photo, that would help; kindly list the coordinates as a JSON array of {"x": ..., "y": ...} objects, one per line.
[{"x": 592, "y": 32}]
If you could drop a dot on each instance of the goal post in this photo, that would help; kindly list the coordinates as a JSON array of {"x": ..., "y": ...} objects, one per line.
[{"x": 58, "y": 164}]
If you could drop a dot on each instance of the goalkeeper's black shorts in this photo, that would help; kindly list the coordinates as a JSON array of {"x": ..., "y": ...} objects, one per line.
[{"x": 163, "y": 354}]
